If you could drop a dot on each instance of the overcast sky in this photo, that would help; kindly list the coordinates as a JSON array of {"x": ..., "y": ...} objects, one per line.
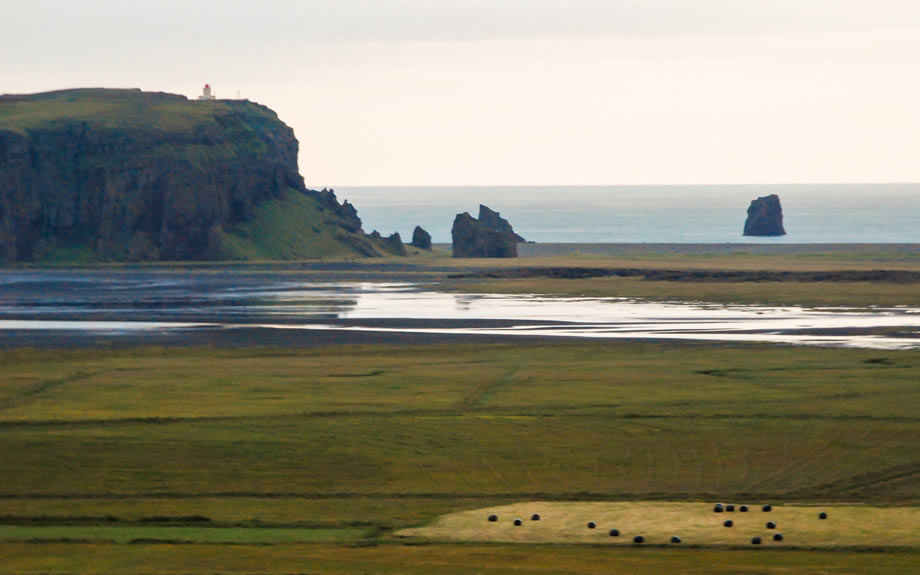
[{"x": 458, "y": 92}]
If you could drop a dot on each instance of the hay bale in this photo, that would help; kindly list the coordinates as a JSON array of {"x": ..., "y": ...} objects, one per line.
[
  {"x": 535, "y": 517},
  {"x": 518, "y": 522},
  {"x": 777, "y": 536},
  {"x": 638, "y": 539},
  {"x": 591, "y": 525},
  {"x": 822, "y": 515},
  {"x": 767, "y": 508},
  {"x": 614, "y": 532},
  {"x": 771, "y": 525},
  {"x": 675, "y": 539},
  {"x": 755, "y": 541},
  {"x": 743, "y": 509},
  {"x": 728, "y": 523},
  {"x": 718, "y": 508},
  {"x": 493, "y": 518},
  {"x": 729, "y": 508}
]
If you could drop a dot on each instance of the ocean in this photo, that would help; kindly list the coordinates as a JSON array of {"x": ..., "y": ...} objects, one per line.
[{"x": 813, "y": 214}]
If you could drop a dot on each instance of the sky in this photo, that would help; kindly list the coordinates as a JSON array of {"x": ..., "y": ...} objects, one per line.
[{"x": 518, "y": 92}]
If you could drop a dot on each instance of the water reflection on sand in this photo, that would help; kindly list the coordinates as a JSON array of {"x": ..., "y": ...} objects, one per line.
[{"x": 135, "y": 304}]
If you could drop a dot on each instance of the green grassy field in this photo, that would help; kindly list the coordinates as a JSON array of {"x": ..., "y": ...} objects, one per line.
[
  {"x": 182, "y": 534},
  {"x": 113, "y": 109},
  {"x": 462, "y": 559},
  {"x": 270, "y": 446}
]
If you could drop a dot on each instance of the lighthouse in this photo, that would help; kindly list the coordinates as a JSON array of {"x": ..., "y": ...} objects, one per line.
[{"x": 206, "y": 93}]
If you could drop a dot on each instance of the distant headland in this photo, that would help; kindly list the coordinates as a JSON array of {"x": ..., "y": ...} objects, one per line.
[{"x": 92, "y": 175}]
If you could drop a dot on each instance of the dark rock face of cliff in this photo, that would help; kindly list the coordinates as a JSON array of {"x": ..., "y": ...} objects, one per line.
[
  {"x": 130, "y": 175},
  {"x": 487, "y": 237},
  {"x": 421, "y": 238},
  {"x": 345, "y": 211},
  {"x": 765, "y": 217}
]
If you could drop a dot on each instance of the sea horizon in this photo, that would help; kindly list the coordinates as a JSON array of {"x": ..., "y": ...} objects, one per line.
[{"x": 871, "y": 213}]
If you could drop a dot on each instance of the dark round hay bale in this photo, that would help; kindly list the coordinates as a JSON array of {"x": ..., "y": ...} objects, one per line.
[
  {"x": 535, "y": 517},
  {"x": 728, "y": 523},
  {"x": 614, "y": 532},
  {"x": 718, "y": 508},
  {"x": 755, "y": 541},
  {"x": 591, "y": 525},
  {"x": 638, "y": 539},
  {"x": 767, "y": 508},
  {"x": 777, "y": 536},
  {"x": 518, "y": 522},
  {"x": 771, "y": 525},
  {"x": 743, "y": 509},
  {"x": 822, "y": 515},
  {"x": 729, "y": 508},
  {"x": 493, "y": 518},
  {"x": 675, "y": 539}
]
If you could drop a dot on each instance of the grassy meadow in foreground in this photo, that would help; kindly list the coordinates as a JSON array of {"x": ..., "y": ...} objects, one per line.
[{"x": 351, "y": 443}]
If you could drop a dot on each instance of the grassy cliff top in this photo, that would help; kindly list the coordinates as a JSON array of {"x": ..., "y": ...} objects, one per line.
[{"x": 118, "y": 109}]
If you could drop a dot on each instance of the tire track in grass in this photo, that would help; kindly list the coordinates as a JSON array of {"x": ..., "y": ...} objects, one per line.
[
  {"x": 32, "y": 393},
  {"x": 482, "y": 394},
  {"x": 779, "y": 470},
  {"x": 864, "y": 481}
]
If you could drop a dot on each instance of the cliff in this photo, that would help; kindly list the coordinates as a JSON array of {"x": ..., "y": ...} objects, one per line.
[{"x": 125, "y": 175}]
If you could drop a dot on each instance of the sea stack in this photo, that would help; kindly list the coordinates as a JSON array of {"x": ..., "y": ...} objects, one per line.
[
  {"x": 421, "y": 238},
  {"x": 490, "y": 236},
  {"x": 492, "y": 219},
  {"x": 765, "y": 217}
]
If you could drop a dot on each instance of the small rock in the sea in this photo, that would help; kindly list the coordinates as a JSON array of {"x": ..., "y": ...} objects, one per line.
[{"x": 765, "y": 217}]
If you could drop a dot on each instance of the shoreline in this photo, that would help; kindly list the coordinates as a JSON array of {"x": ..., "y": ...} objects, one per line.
[
  {"x": 527, "y": 250},
  {"x": 440, "y": 260}
]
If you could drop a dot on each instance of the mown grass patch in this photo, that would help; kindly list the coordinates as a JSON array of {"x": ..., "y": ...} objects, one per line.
[{"x": 695, "y": 524}]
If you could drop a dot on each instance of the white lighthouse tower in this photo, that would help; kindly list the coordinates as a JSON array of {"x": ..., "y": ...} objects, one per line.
[{"x": 206, "y": 93}]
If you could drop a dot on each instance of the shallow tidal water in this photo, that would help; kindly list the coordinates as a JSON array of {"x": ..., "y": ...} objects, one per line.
[{"x": 38, "y": 307}]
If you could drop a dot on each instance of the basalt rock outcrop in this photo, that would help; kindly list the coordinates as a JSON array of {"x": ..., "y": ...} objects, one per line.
[
  {"x": 489, "y": 236},
  {"x": 125, "y": 175},
  {"x": 391, "y": 244},
  {"x": 492, "y": 219},
  {"x": 765, "y": 217},
  {"x": 421, "y": 238}
]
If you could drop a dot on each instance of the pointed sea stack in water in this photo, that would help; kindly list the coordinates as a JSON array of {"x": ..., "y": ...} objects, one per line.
[
  {"x": 490, "y": 236},
  {"x": 492, "y": 219},
  {"x": 765, "y": 217}
]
